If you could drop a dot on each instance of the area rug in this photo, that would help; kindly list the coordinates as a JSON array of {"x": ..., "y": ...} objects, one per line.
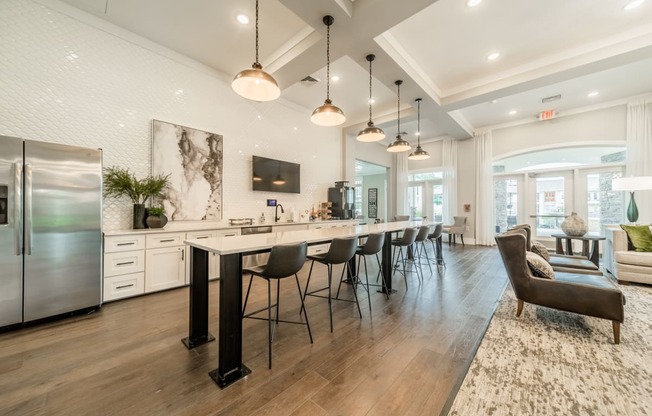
[{"x": 549, "y": 362}]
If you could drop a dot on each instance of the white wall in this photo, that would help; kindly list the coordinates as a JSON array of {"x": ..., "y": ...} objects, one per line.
[{"x": 68, "y": 77}]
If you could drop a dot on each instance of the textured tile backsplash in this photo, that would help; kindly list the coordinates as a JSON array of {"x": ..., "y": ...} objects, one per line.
[{"x": 64, "y": 80}]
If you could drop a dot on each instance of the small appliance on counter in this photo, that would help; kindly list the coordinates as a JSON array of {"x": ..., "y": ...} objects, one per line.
[
  {"x": 342, "y": 199},
  {"x": 241, "y": 221}
]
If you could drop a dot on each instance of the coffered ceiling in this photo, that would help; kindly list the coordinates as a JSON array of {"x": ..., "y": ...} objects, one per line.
[{"x": 439, "y": 48}]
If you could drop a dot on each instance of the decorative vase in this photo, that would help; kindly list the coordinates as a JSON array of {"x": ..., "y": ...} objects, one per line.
[
  {"x": 140, "y": 213},
  {"x": 156, "y": 221},
  {"x": 574, "y": 225}
]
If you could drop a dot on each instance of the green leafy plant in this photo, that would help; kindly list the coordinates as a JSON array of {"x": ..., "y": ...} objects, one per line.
[
  {"x": 120, "y": 182},
  {"x": 156, "y": 211}
]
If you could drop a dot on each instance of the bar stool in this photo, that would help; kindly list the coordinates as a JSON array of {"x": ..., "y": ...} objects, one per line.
[
  {"x": 284, "y": 261},
  {"x": 341, "y": 251},
  {"x": 436, "y": 240},
  {"x": 409, "y": 235},
  {"x": 372, "y": 246},
  {"x": 420, "y": 246}
]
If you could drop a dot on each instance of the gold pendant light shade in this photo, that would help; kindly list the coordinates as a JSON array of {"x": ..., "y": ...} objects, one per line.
[
  {"x": 328, "y": 115},
  {"x": 371, "y": 133},
  {"x": 398, "y": 145},
  {"x": 254, "y": 83},
  {"x": 419, "y": 153}
]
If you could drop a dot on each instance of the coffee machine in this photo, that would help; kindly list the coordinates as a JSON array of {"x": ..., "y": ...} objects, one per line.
[{"x": 343, "y": 199}]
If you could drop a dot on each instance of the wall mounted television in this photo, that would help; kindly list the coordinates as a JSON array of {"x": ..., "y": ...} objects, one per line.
[{"x": 273, "y": 175}]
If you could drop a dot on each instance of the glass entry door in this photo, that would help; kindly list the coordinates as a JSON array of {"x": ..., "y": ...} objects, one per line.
[
  {"x": 551, "y": 199},
  {"x": 508, "y": 205}
]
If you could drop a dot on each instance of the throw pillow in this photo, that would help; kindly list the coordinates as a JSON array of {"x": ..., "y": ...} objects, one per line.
[
  {"x": 538, "y": 266},
  {"x": 639, "y": 236},
  {"x": 538, "y": 248}
]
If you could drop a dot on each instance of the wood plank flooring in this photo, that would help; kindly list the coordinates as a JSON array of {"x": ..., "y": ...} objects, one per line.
[{"x": 408, "y": 357}]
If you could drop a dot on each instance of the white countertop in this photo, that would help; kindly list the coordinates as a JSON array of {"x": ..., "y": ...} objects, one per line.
[
  {"x": 180, "y": 226},
  {"x": 257, "y": 242}
]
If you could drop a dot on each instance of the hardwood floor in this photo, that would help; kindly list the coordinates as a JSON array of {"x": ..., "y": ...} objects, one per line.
[{"x": 406, "y": 358}]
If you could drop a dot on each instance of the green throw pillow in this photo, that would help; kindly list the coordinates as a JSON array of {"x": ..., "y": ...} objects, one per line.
[{"x": 639, "y": 236}]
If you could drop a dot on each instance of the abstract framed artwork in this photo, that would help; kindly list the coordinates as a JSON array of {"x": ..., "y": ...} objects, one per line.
[{"x": 194, "y": 160}]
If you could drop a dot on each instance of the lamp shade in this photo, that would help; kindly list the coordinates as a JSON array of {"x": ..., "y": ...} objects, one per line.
[
  {"x": 328, "y": 115},
  {"x": 633, "y": 183},
  {"x": 399, "y": 145},
  {"x": 371, "y": 134},
  {"x": 419, "y": 154},
  {"x": 256, "y": 84}
]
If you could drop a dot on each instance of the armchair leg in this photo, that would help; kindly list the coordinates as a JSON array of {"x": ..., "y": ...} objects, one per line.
[
  {"x": 462, "y": 238},
  {"x": 616, "y": 326},
  {"x": 519, "y": 308}
]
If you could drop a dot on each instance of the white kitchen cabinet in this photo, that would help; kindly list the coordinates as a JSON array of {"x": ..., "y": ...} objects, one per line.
[
  {"x": 224, "y": 233},
  {"x": 166, "y": 268},
  {"x": 213, "y": 262},
  {"x": 124, "y": 266}
]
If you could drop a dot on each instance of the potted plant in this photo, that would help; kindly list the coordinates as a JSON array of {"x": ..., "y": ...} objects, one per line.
[
  {"x": 120, "y": 182},
  {"x": 156, "y": 217}
]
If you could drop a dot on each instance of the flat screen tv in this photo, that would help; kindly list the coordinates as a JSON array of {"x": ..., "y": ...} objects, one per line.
[{"x": 273, "y": 175}]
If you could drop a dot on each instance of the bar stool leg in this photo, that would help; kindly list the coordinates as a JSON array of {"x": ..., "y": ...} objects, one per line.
[
  {"x": 355, "y": 293},
  {"x": 330, "y": 304},
  {"x": 269, "y": 322},
  {"x": 305, "y": 313}
]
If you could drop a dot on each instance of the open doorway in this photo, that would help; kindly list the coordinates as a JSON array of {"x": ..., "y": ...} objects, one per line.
[{"x": 370, "y": 192}]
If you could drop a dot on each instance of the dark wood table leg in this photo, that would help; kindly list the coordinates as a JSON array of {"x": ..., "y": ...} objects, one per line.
[
  {"x": 559, "y": 249},
  {"x": 595, "y": 252},
  {"x": 386, "y": 264},
  {"x": 230, "y": 367},
  {"x": 585, "y": 248},
  {"x": 569, "y": 246},
  {"x": 198, "y": 317}
]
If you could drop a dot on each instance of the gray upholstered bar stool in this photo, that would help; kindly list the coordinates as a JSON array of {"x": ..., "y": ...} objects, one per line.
[
  {"x": 340, "y": 252},
  {"x": 420, "y": 247},
  {"x": 284, "y": 261},
  {"x": 372, "y": 246},
  {"x": 409, "y": 235},
  {"x": 436, "y": 240}
]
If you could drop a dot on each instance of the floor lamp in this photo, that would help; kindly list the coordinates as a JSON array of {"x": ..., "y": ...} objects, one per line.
[{"x": 632, "y": 184}]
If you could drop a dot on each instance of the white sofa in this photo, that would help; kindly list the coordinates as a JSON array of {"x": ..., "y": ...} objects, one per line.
[{"x": 625, "y": 265}]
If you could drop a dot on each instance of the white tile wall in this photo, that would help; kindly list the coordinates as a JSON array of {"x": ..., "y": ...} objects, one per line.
[{"x": 71, "y": 80}]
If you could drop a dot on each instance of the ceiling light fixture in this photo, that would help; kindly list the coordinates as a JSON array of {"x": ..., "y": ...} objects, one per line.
[
  {"x": 242, "y": 18},
  {"x": 419, "y": 153},
  {"x": 473, "y": 3},
  {"x": 633, "y": 4},
  {"x": 335, "y": 78},
  {"x": 371, "y": 133},
  {"x": 256, "y": 84},
  {"x": 511, "y": 113},
  {"x": 593, "y": 94},
  {"x": 493, "y": 56},
  {"x": 399, "y": 145},
  {"x": 328, "y": 114}
]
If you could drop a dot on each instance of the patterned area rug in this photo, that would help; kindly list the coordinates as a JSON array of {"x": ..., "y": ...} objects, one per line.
[{"x": 549, "y": 362}]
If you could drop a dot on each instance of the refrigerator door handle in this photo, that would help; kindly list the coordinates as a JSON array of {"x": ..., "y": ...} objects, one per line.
[
  {"x": 18, "y": 205},
  {"x": 28, "y": 209}
]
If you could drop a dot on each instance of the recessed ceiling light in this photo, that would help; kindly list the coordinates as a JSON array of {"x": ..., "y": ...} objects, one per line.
[
  {"x": 473, "y": 3},
  {"x": 633, "y": 4},
  {"x": 493, "y": 56},
  {"x": 243, "y": 19},
  {"x": 335, "y": 78},
  {"x": 494, "y": 101},
  {"x": 371, "y": 101},
  {"x": 511, "y": 113},
  {"x": 593, "y": 93}
]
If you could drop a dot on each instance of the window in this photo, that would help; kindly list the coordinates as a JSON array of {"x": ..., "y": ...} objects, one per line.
[{"x": 425, "y": 195}]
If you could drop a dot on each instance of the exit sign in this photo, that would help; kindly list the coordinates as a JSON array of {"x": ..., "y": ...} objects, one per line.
[{"x": 547, "y": 115}]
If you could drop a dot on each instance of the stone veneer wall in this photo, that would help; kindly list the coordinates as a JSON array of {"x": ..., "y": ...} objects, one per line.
[{"x": 67, "y": 77}]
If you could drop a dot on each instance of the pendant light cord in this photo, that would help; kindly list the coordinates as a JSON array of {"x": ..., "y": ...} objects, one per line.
[
  {"x": 370, "y": 61},
  {"x": 257, "y": 31},
  {"x": 419, "y": 122},
  {"x": 398, "y": 88},
  {"x": 328, "y": 62}
]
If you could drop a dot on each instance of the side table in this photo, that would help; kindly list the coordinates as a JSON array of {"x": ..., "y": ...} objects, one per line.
[{"x": 592, "y": 255}]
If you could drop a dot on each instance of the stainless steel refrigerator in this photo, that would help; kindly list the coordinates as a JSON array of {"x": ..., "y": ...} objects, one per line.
[{"x": 50, "y": 229}]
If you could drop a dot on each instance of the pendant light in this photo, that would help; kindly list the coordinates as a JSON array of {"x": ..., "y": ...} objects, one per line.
[
  {"x": 371, "y": 133},
  {"x": 256, "y": 84},
  {"x": 328, "y": 114},
  {"x": 419, "y": 154},
  {"x": 399, "y": 145}
]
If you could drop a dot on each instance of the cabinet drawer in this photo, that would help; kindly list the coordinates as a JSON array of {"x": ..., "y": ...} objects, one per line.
[
  {"x": 124, "y": 262},
  {"x": 118, "y": 243},
  {"x": 119, "y": 287},
  {"x": 191, "y": 235},
  {"x": 318, "y": 249},
  {"x": 165, "y": 240}
]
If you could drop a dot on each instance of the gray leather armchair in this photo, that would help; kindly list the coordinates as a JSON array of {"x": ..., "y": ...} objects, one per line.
[{"x": 585, "y": 294}]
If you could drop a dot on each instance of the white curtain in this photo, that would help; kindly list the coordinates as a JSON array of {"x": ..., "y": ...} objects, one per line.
[
  {"x": 639, "y": 152},
  {"x": 449, "y": 165},
  {"x": 484, "y": 190},
  {"x": 401, "y": 163}
]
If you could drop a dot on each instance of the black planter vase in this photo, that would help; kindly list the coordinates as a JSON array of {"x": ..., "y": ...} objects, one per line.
[
  {"x": 156, "y": 221},
  {"x": 140, "y": 213}
]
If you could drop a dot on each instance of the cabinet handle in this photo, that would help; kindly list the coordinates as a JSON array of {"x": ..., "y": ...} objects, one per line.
[
  {"x": 125, "y": 263},
  {"x": 125, "y": 244},
  {"x": 183, "y": 254},
  {"x": 201, "y": 238},
  {"x": 124, "y": 286},
  {"x": 167, "y": 241},
  {"x": 229, "y": 235}
]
